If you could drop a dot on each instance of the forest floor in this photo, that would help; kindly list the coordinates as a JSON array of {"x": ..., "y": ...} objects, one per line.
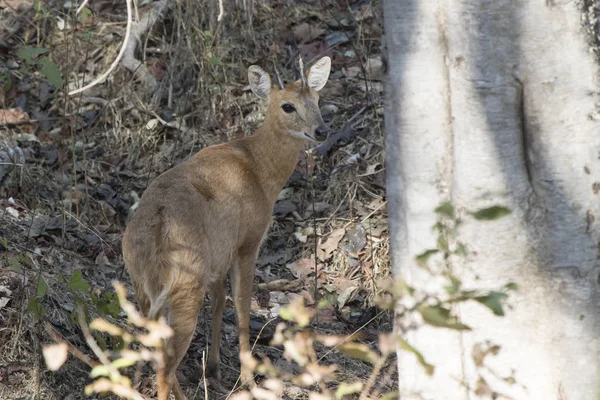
[{"x": 72, "y": 169}]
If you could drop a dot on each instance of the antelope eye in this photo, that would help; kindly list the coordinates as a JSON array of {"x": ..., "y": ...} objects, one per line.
[{"x": 288, "y": 108}]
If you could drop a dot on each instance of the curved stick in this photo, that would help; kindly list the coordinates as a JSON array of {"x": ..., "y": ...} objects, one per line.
[{"x": 102, "y": 77}]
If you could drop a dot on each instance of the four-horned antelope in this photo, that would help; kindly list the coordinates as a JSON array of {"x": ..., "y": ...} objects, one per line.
[{"x": 207, "y": 217}]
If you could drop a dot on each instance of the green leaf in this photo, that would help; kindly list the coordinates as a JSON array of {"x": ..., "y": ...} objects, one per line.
[
  {"x": 441, "y": 317},
  {"x": 77, "y": 283},
  {"x": 424, "y": 256},
  {"x": 84, "y": 14},
  {"x": 511, "y": 286},
  {"x": 454, "y": 286},
  {"x": 15, "y": 265},
  {"x": 99, "y": 370},
  {"x": 493, "y": 301},
  {"x": 446, "y": 209},
  {"x": 24, "y": 260},
  {"x": 391, "y": 396},
  {"x": 491, "y": 213},
  {"x": 359, "y": 351},
  {"x": 35, "y": 308},
  {"x": 215, "y": 61},
  {"x": 348, "y": 388},
  {"x": 27, "y": 53},
  {"x": 123, "y": 362},
  {"x": 286, "y": 314},
  {"x": 442, "y": 243},
  {"x": 6, "y": 81},
  {"x": 461, "y": 250},
  {"x": 100, "y": 340},
  {"x": 51, "y": 72},
  {"x": 42, "y": 286},
  {"x": 404, "y": 345}
]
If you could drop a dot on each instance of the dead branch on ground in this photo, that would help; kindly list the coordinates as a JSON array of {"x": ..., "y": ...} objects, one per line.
[{"x": 141, "y": 27}]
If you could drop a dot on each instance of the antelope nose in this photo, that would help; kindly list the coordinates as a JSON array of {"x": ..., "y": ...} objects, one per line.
[{"x": 321, "y": 132}]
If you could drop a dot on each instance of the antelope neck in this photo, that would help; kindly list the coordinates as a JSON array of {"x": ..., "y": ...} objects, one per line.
[{"x": 275, "y": 154}]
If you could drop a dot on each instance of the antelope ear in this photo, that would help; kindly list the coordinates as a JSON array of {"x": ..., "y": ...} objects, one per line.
[
  {"x": 319, "y": 73},
  {"x": 260, "y": 82}
]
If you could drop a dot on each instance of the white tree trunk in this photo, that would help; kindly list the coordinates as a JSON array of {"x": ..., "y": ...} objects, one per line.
[{"x": 493, "y": 102}]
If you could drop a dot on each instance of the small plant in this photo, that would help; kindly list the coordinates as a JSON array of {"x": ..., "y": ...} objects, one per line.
[
  {"x": 37, "y": 58},
  {"x": 319, "y": 380},
  {"x": 438, "y": 309},
  {"x": 138, "y": 347}
]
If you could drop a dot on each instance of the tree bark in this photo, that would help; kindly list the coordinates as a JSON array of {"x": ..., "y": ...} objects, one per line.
[{"x": 494, "y": 102}]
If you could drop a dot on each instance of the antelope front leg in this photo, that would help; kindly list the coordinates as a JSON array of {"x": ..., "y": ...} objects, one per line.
[
  {"x": 218, "y": 291},
  {"x": 243, "y": 280}
]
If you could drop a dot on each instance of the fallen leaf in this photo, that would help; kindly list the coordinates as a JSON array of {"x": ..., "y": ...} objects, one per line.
[
  {"x": 13, "y": 115},
  {"x": 356, "y": 239},
  {"x": 363, "y": 12},
  {"x": 374, "y": 68},
  {"x": 375, "y": 227},
  {"x": 308, "y": 297},
  {"x": 45, "y": 223},
  {"x": 302, "y": 268},
  {"x": 326, "y": 249},
  {"x": 153, "y": 123},
  {"x": 338, "y": 37},
  {"x": 326, "y": 315},
  {"x": 102, "y": 261},
  {"x": 3, "y": 302},
  {"x": 279, "y": 257},
  {"x": 284, "y": 207},
  {"x": 305, "y": 33},
  {"x": 346, "y": 295},
  {"x": 339, "y": 284},
  {"x": 12, "y": 212},
  {"x": 312, "y": 50},
  {"x": 303, "y": 234},
  {"x": 372, "y": 169},
  {"x": 370, "y": 86},
  {"x": 352, "y": 72}
]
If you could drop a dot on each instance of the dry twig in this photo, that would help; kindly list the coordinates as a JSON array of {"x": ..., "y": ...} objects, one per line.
[
  {"x": 102, "y": 77},
  {"x": 136, "y": 66}
]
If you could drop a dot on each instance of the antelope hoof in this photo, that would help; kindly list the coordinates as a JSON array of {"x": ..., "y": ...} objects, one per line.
[
  {"x": 247, "y": 379},
  {"x": 213, "y": 371}
]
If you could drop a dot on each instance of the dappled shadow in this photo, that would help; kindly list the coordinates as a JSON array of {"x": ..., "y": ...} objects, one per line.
[
  {"x": 559, "y": 234},
  {"x": 556, "y": 227}
]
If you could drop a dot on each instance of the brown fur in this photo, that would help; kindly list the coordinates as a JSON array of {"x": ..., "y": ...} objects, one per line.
[{"x": 206, "y": 218}]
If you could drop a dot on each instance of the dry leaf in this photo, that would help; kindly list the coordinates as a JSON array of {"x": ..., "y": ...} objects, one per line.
[
  {"x": 55, "y": 355},
  {"x": 305, "y": 33},
  {"x": 312, "y": 50},
  {"x": 326, "y": 315},
  {"x": 364, "y": 12},
  {"x": 13, "y": 115},
  {"x": 308, "y": 297},
  {"x": 3, "y": 302},
  {"x": 326, "y": 249},
  {"x": 302, "y": 268},
  {"x": 339, "y": 284},
  {"x": 352, "y": 72},
  {"x": 356, "y": 240},
  {"x": 374, "y": 68},
  {"x": 346, "y": 295}
]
